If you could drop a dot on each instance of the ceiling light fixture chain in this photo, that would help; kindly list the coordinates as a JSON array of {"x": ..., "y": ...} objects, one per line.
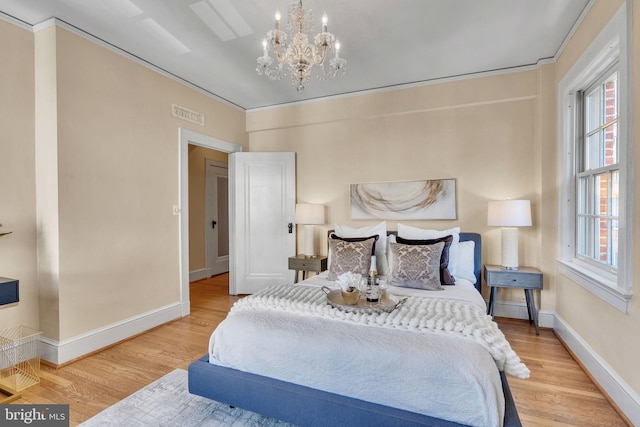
[{"x": 300, "y": 56}]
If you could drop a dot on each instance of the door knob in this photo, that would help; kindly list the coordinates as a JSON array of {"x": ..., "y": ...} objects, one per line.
[
  {"x": 213, "y": 224},
  {"x": 290, "y": 225}
]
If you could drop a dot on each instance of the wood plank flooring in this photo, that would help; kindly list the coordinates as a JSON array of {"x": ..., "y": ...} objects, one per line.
[{"x": 558, "y": 393}]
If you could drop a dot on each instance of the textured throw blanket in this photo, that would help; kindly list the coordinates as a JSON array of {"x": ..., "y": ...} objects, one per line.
[{"x": 418, "y": 314}]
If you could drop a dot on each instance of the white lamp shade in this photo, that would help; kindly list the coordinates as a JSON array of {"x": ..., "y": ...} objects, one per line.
[
  {"x": 307, "y": 213},
  {"x": 509, "y": 213}
]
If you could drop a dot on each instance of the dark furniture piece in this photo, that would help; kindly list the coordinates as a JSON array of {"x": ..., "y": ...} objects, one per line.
[
  {"x": 306, "y": 406},
  {"x": 303, "y": 263},
  {"x": 9, "y": 291},
  {"x": 527, "y": 278}
]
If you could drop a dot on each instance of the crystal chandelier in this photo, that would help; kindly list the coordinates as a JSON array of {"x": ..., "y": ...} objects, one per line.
[{"x": 298, "y": 54}]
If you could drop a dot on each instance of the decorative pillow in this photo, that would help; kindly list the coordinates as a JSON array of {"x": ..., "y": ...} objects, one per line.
[
  {"x": 464, "y": 268},
  {"x": 409, "y": 232},
  {"x": 416, "y": 266},
  {"x": 353, "y": 257},
  {"x": 381, "y": 245},
  {"x": 445, "y": 276},
  {"x": 358, "y": 239}
]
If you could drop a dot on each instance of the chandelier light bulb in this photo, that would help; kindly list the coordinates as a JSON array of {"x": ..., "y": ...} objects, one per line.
[
  {"x": 325, "y": 20},
  {"x": 337, "y": 48}
]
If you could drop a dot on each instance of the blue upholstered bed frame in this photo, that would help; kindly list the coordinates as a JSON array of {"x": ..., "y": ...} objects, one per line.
[{"x": 306, "y": 406}]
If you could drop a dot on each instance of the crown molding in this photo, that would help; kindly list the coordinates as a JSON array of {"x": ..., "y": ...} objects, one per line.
[{"x": 15, "y": 21}]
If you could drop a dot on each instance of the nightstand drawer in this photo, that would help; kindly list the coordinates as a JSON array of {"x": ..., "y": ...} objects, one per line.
[
  {"x": 513, "y": 278},
  {"x": 308, "y": 264}
]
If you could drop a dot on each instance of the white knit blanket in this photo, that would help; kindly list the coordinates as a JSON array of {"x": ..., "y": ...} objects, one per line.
[{"x": 418, "y": 314}]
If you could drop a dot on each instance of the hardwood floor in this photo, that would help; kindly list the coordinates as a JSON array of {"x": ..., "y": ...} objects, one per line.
[{"x": 558, "y": 393}]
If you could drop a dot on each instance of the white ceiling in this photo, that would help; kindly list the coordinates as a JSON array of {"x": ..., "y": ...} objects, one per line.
[{"x": 386, "y": 43}]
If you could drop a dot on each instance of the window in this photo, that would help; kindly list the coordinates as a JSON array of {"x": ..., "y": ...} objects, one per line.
[
  {"x": 598, "y": 173},
  {"x": 595, "y": 206}
]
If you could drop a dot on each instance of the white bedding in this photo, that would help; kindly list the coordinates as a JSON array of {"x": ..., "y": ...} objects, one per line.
[{"x": 442, "y": 375}]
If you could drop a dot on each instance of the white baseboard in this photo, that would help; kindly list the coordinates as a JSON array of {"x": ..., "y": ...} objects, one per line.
[
  {"x": 627, "y": 400},
  {"x": 200, "y": 274},
  {"x": 517, "y": 310},
  {"x": 59, "y": 352}
]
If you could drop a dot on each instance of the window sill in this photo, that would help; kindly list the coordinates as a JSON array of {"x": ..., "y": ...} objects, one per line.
[{"x": 600, "y": 286}]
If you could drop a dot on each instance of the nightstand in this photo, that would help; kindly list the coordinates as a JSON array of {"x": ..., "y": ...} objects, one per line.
[
  {"x": 527, "y": 278},
  {"x": 304, "y": 264}
]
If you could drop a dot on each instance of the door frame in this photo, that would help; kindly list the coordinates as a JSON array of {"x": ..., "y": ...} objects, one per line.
[{"x": 186, "y": 137}]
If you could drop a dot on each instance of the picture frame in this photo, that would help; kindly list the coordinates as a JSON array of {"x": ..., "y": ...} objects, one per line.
[{"x": 433, "y": 199}]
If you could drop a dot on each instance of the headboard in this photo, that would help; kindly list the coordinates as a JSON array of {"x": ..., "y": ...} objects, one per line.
[{"x": 477, "y": 253}]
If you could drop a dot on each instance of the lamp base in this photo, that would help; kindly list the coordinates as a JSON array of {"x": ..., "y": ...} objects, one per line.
[
  {"x": 510, "y": 248},
  {"x": 309, "y": 241}
]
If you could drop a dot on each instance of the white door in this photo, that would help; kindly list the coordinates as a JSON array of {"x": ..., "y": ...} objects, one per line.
[
  {"x": 262, "y": 195},
  {"x": 216, "y": 224}
]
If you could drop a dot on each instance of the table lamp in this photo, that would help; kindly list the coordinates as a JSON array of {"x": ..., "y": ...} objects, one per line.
[
  {"x": 509, "y": 214},
  {"x": 309, "y": 215}
]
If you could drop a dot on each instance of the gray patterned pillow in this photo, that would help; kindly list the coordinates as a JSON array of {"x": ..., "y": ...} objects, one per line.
[
  {"x": 354, "y": 257},
  {"x": 416, "y": 266}
]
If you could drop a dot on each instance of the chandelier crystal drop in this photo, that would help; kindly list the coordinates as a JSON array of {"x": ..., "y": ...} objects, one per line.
[{"x": 294, "y": 55}]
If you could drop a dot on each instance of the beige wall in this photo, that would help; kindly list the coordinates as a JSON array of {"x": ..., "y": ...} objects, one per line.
[
  {"x": 106, "y": 148},
  {"x": 197, "y": 187},
  {"x": 612, "y": 334},
  {"x": 482, "y": 132},
  {"x": 118, "y": 172},
  {"x": 17, "y": 173}
]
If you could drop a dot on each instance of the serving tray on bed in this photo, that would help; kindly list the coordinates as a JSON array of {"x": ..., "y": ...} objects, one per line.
[{"x": 386, "y": 304}]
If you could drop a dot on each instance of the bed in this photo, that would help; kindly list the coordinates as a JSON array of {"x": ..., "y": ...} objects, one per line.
[{"x": 298, "y": 376}]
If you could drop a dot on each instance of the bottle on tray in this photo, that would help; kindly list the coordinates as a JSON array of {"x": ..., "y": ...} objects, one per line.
[{"x": 373, "y": 289}]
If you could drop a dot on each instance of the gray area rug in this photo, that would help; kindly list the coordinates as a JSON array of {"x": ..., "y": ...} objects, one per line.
[{"x": 167, "y": 402}]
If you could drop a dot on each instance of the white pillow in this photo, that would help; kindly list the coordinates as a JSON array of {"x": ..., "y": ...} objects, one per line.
[
  {"x": 381, "y": 245},
  {"x": 415, "y": 233},
  {"x": 464, "y": 265}
]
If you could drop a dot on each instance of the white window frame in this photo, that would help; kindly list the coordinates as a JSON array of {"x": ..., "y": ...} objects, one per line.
[
  {"x": 584, "y": 170},
  {"x": 610, "y": 46}
]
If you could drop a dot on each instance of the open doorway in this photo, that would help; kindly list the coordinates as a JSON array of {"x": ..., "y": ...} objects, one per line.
[
  {"x": 208, "y": 213},
  {"x": 216, "y": 217},
  {"x": 191, "y": 141}
]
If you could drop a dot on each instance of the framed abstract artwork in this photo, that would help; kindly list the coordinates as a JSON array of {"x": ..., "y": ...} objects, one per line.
[{"x": 408, "y": 200}]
